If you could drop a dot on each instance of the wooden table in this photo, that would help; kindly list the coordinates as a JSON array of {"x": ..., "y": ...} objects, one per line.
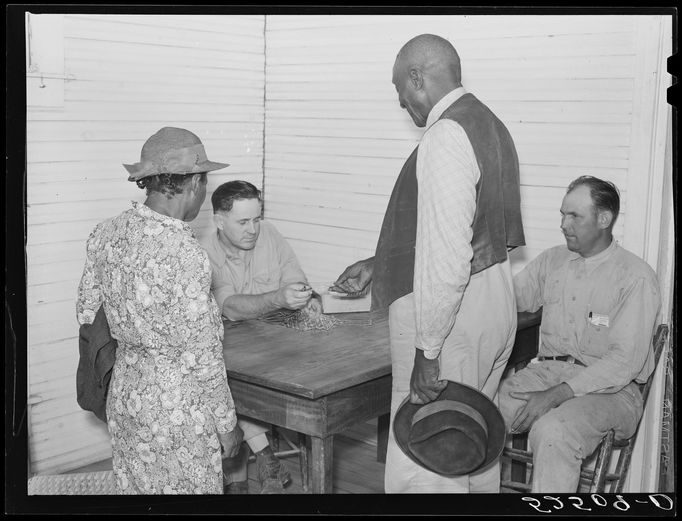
[
  {"x": 312, "y": 382},
  {"x": 319, "y": 383}
]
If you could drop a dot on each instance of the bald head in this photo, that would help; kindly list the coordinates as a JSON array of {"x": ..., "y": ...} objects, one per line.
[
  {"x": 434, "y": 56},
  {"x": 426, "y": 69}
]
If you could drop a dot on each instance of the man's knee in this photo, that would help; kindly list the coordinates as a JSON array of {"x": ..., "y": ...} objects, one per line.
[
  {"x": 545, "y": 430},
  {"x": 551, "y": 431}
]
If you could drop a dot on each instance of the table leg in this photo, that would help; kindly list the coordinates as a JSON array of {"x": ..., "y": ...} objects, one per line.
[
  {"x": 321, "y": 464},
  {"x": 274, "y": 438},
  {"x": 383, "y": 422},
  {"x": 303, "y": 461}
]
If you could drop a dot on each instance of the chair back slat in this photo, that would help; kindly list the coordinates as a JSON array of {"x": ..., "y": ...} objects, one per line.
[{"x": 659, "y": 342}]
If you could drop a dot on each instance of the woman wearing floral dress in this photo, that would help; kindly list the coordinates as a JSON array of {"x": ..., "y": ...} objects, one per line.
[{"x": 169, "y": 408}]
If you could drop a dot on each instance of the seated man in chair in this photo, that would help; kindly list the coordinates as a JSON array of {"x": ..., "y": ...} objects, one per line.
[
  {"x": 599, "y": 307},
  {"x": 254, "y": 272}
]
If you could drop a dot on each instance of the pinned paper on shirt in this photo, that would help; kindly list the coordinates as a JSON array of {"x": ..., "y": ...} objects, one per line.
[{"x": 599, "y": 320}]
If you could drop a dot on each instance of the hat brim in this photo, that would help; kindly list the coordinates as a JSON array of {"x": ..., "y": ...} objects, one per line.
[
  {"x": 402, "y": 423},
  {"x": 137, "y": 170}
]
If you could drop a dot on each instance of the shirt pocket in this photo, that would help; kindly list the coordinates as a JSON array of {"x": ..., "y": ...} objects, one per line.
[
  {"x": 266, "y": 279},
  {"x": 595, "y": 339}
]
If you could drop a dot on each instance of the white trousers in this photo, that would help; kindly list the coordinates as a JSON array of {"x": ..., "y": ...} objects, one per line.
[
  {"x": 474, "y": 353},
  {"x": 564, "y": 436},
  {"x": 254, "y": 433}
]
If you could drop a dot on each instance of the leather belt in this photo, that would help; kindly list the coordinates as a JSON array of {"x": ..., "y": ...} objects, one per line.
[{"x": 563, "y": 358}]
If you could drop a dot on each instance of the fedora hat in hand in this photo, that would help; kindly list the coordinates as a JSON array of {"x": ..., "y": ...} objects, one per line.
[
  {"x": 458, "y": 433},
  {"x": 172, "y": 150}
]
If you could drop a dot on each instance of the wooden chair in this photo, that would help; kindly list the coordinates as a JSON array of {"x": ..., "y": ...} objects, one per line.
[
  {"x": 294, "y": 449},
  {"x": 599, "y": 478}
]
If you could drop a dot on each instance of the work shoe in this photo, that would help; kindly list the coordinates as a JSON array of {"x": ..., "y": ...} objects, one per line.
[
  {"x": 236, "y": 487},
  {"x": 236, "y": 467},
  {"x": 270, "y": 468},
  {"x": 272, "y": 486}
]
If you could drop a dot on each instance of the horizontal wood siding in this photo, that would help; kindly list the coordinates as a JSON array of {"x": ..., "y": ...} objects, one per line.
[
  {"x": 571, "y": 89},
  {"x": 127, "y": 76},
  {"x": 336, "y": 137}
]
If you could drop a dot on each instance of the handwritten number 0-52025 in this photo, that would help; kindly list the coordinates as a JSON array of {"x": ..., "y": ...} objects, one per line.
[{"x": 554, "y": 503}]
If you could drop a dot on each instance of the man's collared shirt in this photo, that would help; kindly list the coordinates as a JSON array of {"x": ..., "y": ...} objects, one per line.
[
  {"x": 601, "y": 310},
  {"x": 270, "y": 265},
  {"x": 447, "y": 173}
]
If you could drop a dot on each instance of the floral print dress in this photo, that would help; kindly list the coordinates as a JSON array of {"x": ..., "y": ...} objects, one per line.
[{"x": 168, "y": 396}]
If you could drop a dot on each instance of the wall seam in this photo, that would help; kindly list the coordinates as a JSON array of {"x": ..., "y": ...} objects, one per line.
[{"x": 265, "y": 90}]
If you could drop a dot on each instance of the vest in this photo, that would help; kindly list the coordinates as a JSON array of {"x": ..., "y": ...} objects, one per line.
[{"x": 497, "y": 222}]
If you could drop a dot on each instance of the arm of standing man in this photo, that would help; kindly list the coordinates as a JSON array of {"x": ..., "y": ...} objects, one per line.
[
  {"x": 447, "y": 173},
  {"x": 356, "y": 277}
]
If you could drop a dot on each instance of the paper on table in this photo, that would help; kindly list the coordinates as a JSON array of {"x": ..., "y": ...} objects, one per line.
[{"x": 335, "y": 302}]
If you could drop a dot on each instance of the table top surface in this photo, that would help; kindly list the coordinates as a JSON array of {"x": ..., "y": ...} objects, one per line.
[{"x": 311, "y": 364}]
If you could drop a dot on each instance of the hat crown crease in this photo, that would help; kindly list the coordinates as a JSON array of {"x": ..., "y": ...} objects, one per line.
[{"x": 179, "y": 160}]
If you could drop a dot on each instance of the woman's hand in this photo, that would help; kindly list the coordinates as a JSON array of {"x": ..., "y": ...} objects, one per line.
[{"x": 231, "y": 442}]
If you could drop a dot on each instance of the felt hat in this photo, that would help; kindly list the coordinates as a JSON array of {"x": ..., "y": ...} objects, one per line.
[
  {"x": 456, "y": 434},
  {"x": 172, "y": 151}
]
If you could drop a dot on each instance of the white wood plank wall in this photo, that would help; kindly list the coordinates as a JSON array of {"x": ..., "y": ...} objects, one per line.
[
  {"x": 336, "y": 137},
  {"x": 128, "y": 76},
  {"x": 575, "y": 92}
]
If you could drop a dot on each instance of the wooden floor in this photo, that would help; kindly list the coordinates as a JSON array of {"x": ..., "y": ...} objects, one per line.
[
  {"x": 356, "y": 469},
  {"x": 355, "y": 466}
]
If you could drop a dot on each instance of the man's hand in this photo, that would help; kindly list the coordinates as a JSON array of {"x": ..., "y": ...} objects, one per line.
[
  {"x": 231, "y": 442},
  {"x": 424, "y": 383},
  {"x": 356, "y": 277},
  {"x": 537, "y": 404},
  {"x": 294, "y": 295}
]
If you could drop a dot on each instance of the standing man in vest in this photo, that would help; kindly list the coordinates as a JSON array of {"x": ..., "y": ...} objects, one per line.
[{"x": 441, "y": 263}]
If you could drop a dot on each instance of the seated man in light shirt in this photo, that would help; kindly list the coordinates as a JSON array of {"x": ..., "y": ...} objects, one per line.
[
  {"x": 599, "y": 307},
  {"x": 254, "y": 272}
]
